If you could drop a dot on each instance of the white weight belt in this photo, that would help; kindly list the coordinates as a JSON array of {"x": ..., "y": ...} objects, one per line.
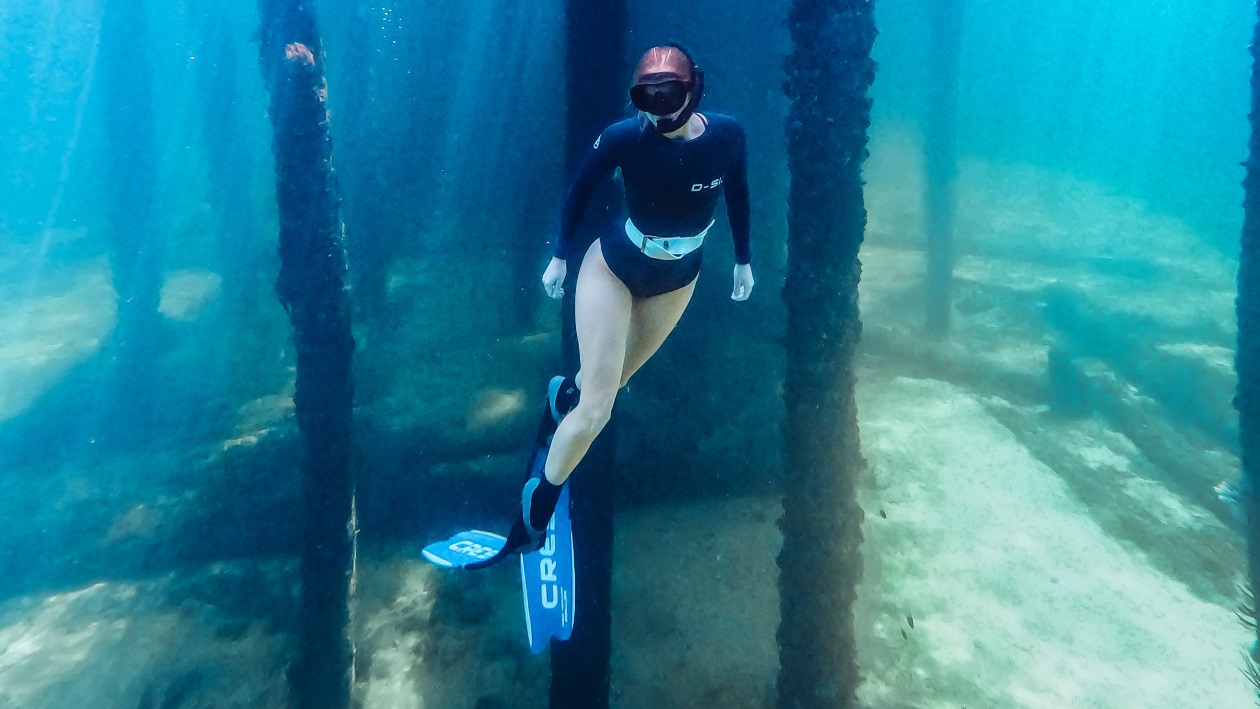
[{"x": 665, "y": 248}]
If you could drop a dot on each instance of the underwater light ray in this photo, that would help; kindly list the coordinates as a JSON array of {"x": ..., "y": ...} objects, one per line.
[
  {"x": 72, "y": 145},
  {"x": 462, "y": 102}
]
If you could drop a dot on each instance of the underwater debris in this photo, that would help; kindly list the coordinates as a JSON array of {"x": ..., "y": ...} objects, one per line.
[
  {"x": 1246, "y": 610},
  {"x": 300, "y": 53},
  {"x": 259, "y": 418},
  {"x": 1246, "y": 615},
  {"x": 1228, "y": 492},
  {"x": 1252, "y": 672}
]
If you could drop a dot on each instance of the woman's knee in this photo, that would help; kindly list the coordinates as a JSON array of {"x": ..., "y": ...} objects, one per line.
[
  {"x": 625, "y": 379},
  {"x": 593, "y": 411}
]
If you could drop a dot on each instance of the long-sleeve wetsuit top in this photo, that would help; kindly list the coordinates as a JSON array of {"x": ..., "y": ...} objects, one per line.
[{"x": 671, "y": 185}]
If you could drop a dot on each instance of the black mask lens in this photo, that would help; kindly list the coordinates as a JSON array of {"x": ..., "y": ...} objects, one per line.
[{"x": 659, "y": 99}]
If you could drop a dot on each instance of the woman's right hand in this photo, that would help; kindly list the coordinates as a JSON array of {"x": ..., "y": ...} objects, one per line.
[{"x": 553, "y": 278}]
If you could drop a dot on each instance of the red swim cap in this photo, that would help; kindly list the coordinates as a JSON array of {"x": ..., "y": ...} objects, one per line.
[{"x": 661, "y": 64}]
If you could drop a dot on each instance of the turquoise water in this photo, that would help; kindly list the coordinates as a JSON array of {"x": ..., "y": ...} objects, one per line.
[{"x": 1041, "y": 525}]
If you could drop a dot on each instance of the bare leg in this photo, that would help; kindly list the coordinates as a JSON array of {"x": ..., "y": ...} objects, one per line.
[
  {"x": 602, "y": 316},
  {"x": 616, "y": 333},
  {"x": 651, "y": 321}
]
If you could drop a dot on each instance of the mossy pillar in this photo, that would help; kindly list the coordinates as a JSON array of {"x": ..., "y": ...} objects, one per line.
[
  {"x": 136, "y": 251},
  {"x": 940, "y": 140},
  {"x": 1247, "y": 363},
  {"x": 595, "y": 83},
  {"x": 312, "y": 288},
  {"x": 828, "y": 74},
  {"x": 229, "y": 163}
]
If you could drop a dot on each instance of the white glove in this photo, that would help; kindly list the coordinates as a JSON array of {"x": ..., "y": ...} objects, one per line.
[
  {"x": 743, "y": 282},
  {"x": 553, "y": 278}
]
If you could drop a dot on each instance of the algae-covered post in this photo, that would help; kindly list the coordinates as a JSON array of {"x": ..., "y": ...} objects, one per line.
[
  {"x": 1248, "y": 306},
  {"x": 595, "y": 83},
  {"x": 941, "y": 159},
  {"x": 229, "y": 164},
  {"x": 312, "y": 288},
  {"x": 126, "y": 79},
  {"x": 828, "y": 74}
]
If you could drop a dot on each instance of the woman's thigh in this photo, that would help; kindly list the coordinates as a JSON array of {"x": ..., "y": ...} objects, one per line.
[
  {"x": 651, "y": 321},
  {"x": 602, "y": 312}
]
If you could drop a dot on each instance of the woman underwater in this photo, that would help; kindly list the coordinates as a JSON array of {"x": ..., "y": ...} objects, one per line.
[{"x": 635, "y": 283}]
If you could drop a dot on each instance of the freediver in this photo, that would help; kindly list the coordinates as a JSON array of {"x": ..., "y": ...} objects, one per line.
[{"x": 637, "y": 279}]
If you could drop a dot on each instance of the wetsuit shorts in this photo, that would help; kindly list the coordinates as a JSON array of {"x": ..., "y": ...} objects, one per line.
[{"x": 642, "y": 274}]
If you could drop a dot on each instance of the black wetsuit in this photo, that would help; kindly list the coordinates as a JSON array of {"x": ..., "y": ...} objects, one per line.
[{"x": 672, "y": 188}]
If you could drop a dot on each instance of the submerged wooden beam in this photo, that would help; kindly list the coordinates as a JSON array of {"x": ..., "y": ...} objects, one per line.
[
  {"x": 312, "y": 288},
  {"x": 581, "y": 667},
  {"x": 828, "y": 74},
  {"x": 1247, "y": 363}
]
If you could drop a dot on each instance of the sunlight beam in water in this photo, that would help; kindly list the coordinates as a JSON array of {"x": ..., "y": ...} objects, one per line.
[{"x": 67, "y": 156}]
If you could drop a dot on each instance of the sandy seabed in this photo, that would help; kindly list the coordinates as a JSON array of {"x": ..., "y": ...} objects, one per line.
[
  {"x": 1017, "y": 598},
  {"x": 989, "y": 581}
]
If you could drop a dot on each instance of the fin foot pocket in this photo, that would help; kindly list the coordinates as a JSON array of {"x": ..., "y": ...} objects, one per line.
[{"x": 519, "y": 540}]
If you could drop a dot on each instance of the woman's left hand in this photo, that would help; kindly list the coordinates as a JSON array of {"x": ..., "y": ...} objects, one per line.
[
  {"x": 553, "y": 278},
  {"x": 743, "y": 282}
]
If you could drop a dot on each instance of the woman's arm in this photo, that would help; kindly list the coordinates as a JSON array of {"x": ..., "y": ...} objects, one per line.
[
  {"x": 739, "y": 214},
  {"x": 599, "y": 162},
  {"x": 735, "y": 187}
]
